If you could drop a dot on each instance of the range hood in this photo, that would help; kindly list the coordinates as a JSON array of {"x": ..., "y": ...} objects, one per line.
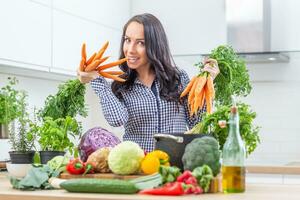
[{"x": 263, "y": 30}]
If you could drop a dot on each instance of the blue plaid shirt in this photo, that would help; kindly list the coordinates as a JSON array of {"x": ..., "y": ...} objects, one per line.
[{"x": 142, "y": 112}]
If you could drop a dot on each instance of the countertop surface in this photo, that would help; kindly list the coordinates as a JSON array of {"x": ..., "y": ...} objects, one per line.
[
  {"x": 271, "y": 169},
  {"x": 253, "y": 191}
]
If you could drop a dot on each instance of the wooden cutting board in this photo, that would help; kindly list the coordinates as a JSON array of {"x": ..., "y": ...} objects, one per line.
[
  {"x": 66, "y": 175},
  {"x": 2, "y": 165}
]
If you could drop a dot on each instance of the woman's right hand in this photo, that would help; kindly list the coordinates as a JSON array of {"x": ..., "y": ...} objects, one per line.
[{"x": 86, "y": 77}]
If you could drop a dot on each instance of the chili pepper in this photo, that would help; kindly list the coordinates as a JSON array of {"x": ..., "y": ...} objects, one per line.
[
  {"x": 89, "y": 168},
  {"x": 198, "y": 190},
  {"x": 183, "y": 177},
  {"x": 188, "y": 189},
  {"x": 191, "y": 180},
  {"x": 75, "y": 166},
  {"x": 192, "y": 189},
  {"x": 175, "y": 189}
]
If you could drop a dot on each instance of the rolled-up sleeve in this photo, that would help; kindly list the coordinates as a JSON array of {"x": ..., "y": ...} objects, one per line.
[{"x": 114, "y": 109}]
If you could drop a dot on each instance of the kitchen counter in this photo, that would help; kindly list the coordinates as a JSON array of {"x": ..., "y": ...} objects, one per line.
[
  {"x": 271, "y": 169},
  {"x": 253, "y": 191}
]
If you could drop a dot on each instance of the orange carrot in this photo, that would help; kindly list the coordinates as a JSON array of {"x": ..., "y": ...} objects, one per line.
[
  {"x": 90, "y": 60},
  {"x": 83, "y": 51},
  {"x": 192, "y": 107},
  {"x": 188, "y": 87},
  {"x": 210, "y": 86},
  {"x": 103, "y": 59},
  {"x": 112, "y": 64},
  {"x": 198, "y": 100},
  {"x": 114, "y": 72},
  {"x": 92, "y": 66},
  {"x": 107, "y": 75},
  {"x": 208, "y": 100},
  {"x": 202, "y": 100},
  {"x": 192, "y": 92},
  {"x": 200, "y": 84},
  {"x": 101, "y": 51},
  {"x": 82, "y": 65}
]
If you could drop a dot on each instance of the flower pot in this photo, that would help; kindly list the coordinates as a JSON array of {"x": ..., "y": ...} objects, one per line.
[
  {"x": 48, "y": 155},
  {"x": 18, "y": 170},
  {"x": 18, "y": 157}
]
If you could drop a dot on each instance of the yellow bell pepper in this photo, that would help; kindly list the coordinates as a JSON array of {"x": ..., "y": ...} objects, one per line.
[{"x": 153, "y": 160}]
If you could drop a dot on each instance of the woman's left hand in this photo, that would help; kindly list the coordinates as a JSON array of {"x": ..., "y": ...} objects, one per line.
[{"x": 211, "y": 66}]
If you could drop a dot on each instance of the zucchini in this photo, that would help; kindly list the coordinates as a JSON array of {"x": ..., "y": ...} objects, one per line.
[{"x": 99, "y": 186}]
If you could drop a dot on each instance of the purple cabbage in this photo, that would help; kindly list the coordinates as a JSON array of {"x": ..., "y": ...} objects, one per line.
[{"x": 96, "y": 138}]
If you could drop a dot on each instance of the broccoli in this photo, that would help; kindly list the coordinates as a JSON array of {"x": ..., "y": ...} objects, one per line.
[{"x": 202, "y": 151}]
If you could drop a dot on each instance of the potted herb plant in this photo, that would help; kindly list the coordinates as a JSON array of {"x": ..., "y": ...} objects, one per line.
[
  {"x": 54, "y": 136},
  {"x": 12, "y": 105},
  {"x": 9, "y": 102},
  {"x": 14, "y": 114},
  {"x": 21, "y": 137}
]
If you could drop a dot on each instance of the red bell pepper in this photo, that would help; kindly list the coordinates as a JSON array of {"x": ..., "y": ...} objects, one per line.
[
  {"x": 89, "y": 168},
  {"x": 75, "y": 166},
  {"x": 175, "y": 188}
]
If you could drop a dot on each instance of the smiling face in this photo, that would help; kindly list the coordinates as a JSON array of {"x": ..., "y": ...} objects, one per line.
[{"x": 134, "y": 47}]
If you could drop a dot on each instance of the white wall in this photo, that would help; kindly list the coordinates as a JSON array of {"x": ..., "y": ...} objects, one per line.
[
  {"x": 285, "y": 25},
  {"x": 275, "y": 97},
  {"x": 192, "y": 26}
]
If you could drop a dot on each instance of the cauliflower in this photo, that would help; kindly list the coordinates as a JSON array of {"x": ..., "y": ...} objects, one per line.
[
  {"x": 125, "y": 158},
  {"x": 202, "y": 151}
]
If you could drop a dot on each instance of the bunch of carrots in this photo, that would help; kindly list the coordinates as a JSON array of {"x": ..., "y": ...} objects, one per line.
[
  {"x": 95, "y": 61},
  {"x": 200, "y": 89}
]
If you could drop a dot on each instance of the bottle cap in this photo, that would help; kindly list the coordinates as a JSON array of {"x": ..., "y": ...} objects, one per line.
[{"x": 234, "y": 106}]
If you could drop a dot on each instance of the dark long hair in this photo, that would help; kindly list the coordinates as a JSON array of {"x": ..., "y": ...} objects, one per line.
[{"x": 159, "y": 56}]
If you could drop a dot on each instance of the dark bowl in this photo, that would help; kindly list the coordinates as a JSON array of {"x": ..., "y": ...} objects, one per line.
[{"x": 174, "y": 145}]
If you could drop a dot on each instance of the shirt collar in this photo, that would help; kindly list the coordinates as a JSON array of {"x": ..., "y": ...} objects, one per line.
[{"x": 137, "y": 81}]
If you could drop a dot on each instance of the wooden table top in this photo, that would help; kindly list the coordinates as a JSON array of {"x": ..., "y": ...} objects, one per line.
[{"x": 253, "y": 191}]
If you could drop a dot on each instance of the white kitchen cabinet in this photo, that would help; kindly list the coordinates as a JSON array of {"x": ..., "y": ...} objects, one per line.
[
  {"x": 43, "y": 2},
  {"x": 69, "y": 32},
  {"x": 107, "y": 13},
  {"x": 25, "y": 34},
  {"x": 192, "y": 26}
]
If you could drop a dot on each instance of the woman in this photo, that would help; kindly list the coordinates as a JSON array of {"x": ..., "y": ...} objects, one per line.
[{"x": 148, "y": 101}]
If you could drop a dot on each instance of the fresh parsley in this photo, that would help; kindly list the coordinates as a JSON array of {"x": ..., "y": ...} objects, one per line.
[
  {"x": 69, "y": 101},
  {"x": 248, "y": 131}
]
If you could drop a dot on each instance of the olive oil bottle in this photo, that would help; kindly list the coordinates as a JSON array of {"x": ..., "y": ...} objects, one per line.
[{"x": 233, "y": 157}]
